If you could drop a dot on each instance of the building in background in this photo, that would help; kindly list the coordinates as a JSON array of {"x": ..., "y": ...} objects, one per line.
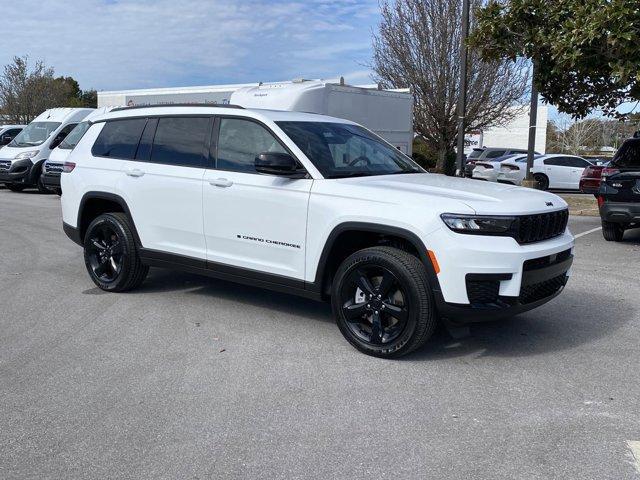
[{"x": 515, "y": 134}]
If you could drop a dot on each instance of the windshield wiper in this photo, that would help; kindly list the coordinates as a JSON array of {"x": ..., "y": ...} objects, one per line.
[
  {"x": 351, "y": 175},
  {"x": 401, "y": 172}
]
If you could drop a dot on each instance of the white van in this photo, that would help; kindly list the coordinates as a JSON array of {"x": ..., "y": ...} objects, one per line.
[
  {"x": 8, "y": 133},
  {"x": 21, "y": 160},
  {"x": 52, "y": 167}
]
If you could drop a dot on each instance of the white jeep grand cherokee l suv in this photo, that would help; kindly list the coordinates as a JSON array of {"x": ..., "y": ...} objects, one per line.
[{"x": 310, "y": 205}]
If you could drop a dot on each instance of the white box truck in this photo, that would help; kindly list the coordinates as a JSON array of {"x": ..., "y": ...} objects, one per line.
[{"x": 389, "y": 114}]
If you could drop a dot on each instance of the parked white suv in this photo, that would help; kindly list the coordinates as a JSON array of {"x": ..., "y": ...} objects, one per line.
[{"x": 311, "y": 205}]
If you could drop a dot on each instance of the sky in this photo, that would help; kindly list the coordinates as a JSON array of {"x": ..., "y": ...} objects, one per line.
[{"x": 122, "y": 44}]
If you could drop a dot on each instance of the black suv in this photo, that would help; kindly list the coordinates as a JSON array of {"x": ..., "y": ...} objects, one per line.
[{"x": 619, "y": 194}]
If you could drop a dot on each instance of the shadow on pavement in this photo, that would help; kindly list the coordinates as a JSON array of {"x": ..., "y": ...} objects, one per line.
[
  {"x": 172, "y": 281},
  {"x": 574, "y": 318}
]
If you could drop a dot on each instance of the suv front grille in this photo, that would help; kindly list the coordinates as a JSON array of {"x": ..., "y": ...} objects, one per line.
[
  {"x": 538, "y": 291},
  {"x": 535, "y": 228},
  {"x": 5, "y": 164},
  {"x": 53, "y": 167}
]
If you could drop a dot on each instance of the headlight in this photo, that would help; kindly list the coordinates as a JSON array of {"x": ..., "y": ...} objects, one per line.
[
  {"x": 23, "y": 155},
  {"x": 480, "y": 224}
]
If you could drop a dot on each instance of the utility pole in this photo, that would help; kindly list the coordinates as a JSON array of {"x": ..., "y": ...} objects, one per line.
[
  {"x": 462, "y": 98},
  {"x": 533, "y": 121}
]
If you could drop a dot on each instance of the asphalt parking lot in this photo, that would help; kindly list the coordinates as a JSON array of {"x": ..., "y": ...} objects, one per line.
[{"x": 191, "y": 377}]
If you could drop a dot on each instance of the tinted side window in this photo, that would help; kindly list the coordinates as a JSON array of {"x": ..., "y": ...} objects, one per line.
[
  {"x": 119, "y": 139},
  {"x": 495, "y": 153},
  {"x": 13, "y": 132},
  {"x": 180, "y": 141},
  {"x": 556, "y": 161},
  {"x": 240, "y": 142},
  {"x": 62, "y": 134},
  {"x": 579, "y": 163},
  {"x": 628, "y": 155}
]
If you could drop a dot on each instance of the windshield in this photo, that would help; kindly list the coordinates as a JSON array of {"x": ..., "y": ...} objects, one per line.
[
  {"x": 475, "y": 153},
  {"x": 628, "y": 155},
  {"x": 74, "y": 136},
  {"x": 34, "y": 134},
  {"x": 341, "y": 150}
]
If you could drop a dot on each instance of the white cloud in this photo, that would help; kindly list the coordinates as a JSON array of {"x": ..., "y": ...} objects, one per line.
[{"x": 117, "y": 44}]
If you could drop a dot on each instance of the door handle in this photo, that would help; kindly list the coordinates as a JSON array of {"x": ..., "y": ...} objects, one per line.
[
  {"x": 134, "y": 172},
  {"x": 221, "y": 182}
]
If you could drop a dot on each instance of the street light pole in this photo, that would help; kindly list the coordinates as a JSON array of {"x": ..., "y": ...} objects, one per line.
[
  {"x": 462, "y": 98},
  {"x": 533, "y": 121}
]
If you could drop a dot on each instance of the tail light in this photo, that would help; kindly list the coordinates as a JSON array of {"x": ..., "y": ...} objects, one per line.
[
  {"x": 600, "y": 200},
  {"x": 485, "y": 165},
  {"x": 68, "y": 167},
  {"x": 608, "y": 171},
  {"x": 510, "y": 167}
]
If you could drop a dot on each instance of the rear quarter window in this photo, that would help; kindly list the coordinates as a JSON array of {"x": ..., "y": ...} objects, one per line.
[
  {"x": 119, "y": 139},
  {"x": 628, "y": 155}
]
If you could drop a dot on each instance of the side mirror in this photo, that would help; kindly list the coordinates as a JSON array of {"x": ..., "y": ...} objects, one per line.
[{"x": 274, "y": 163}]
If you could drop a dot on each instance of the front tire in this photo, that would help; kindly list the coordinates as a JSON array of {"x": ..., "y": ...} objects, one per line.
[
  {"x": 111, "y": 255},
  {"x": 382, "y": 302},
  {"x": 612, "y": 232},
  {"x": 42, "y": 188},
  {"x": 543, "y": 181}
]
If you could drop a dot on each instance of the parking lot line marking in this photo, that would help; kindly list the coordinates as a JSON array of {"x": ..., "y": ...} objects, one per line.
[
  {"x": 587, "y": 232},
  {"x": 634, "y": 446}
]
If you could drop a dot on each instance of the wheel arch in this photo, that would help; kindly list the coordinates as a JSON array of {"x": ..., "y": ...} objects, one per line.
[
  {"x": 94, "y": 204},
  {"x": 36, "y": 171},
  {"x": 367, "y": 235}
]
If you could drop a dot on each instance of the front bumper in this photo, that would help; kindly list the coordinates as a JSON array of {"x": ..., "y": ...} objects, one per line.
[
  {"x": 51, "y": 180},
  {"x": 18, "y": 173},
  {"x": 484, "y": 278},
  {"x": 619, "y": 212}
]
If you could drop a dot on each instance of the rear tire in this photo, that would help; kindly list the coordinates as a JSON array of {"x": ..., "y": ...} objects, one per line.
[
  {"x": 382, "y": 302},
  {"x": 543, "y": 181},
  {"x": 612, "y": 232},
  {"x": 111, "y": 255},
  {"x": 42, "y": 188},
  {"x": 15, "y": 188}
]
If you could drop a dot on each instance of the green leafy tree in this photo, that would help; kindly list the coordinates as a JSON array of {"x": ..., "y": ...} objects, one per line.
[
  {"x": 27, "y": 89},
  {"x": 586, "y": 52}
]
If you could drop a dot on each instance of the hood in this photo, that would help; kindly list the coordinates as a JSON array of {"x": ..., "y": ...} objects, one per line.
[
  {"x": 482, "y": 197},
  {"x": 9, "y": 153},
  {"x": 58, "y": 155}
]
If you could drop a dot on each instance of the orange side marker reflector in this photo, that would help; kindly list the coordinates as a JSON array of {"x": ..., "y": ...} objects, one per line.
[{"x": 434, "y": 261}]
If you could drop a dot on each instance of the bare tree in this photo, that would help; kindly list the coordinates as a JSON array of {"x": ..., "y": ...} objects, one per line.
[
  {"x": 577, "y": 137},
  {"x": 418, "y": 46},
  {"x": 26, "y": 92}
]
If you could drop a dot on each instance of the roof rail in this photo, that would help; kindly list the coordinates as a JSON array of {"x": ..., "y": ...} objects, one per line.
[{"x": 213, "y": 105}]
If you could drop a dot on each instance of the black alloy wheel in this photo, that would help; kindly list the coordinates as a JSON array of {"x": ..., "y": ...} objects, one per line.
[
  {"x": 382, "y": 301},
  {"x": 374, "y": 305},
  {"x": 111, "y": 254},
  {"x": 105, "y": 253}
]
